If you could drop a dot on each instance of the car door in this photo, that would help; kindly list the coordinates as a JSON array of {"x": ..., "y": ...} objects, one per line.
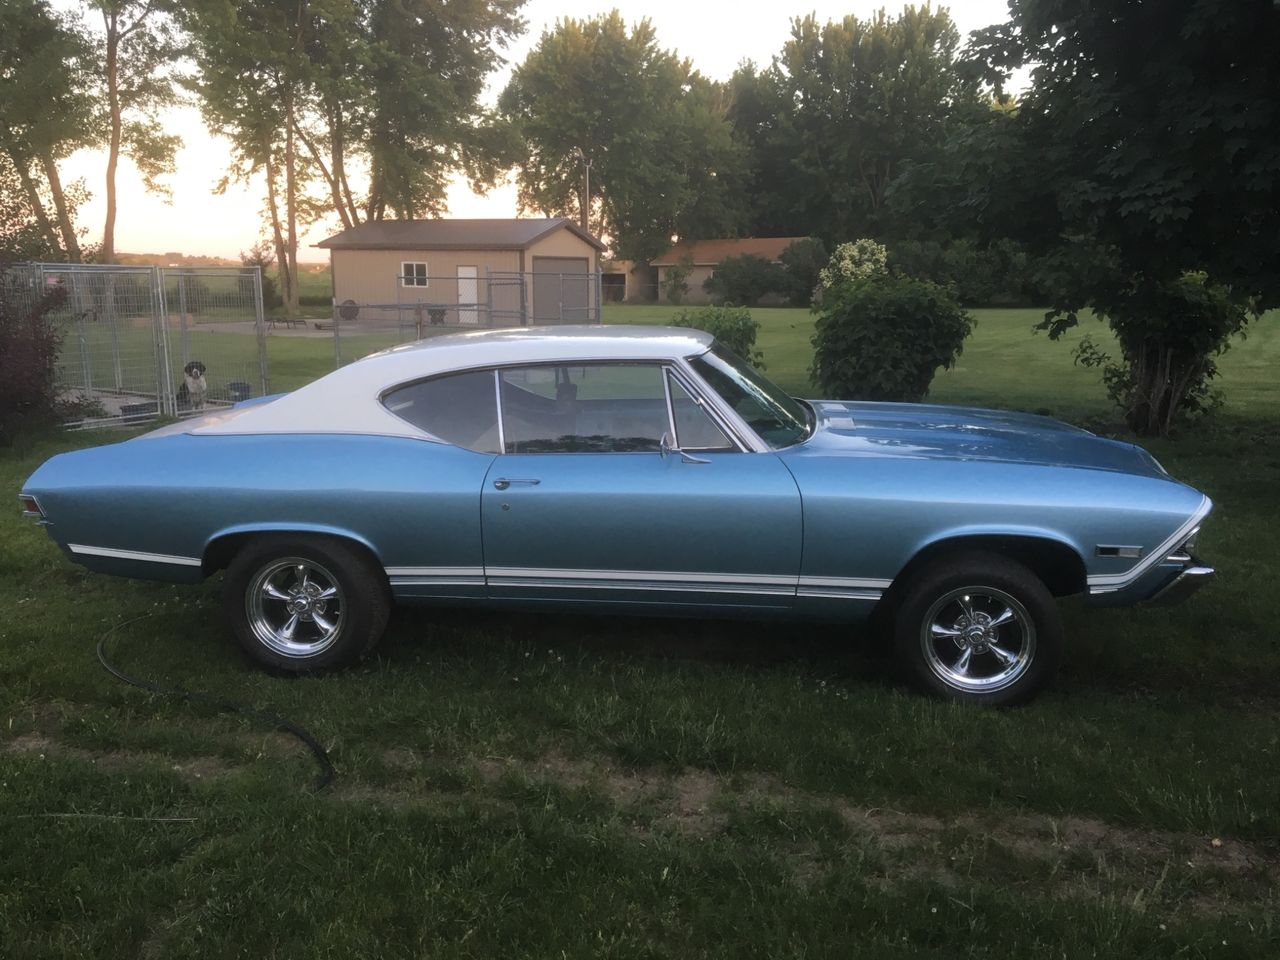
[{"x": 588, "y": 503}]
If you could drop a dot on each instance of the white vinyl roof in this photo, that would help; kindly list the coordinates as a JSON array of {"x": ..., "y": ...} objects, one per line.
[{"x": 346, "y": 401}]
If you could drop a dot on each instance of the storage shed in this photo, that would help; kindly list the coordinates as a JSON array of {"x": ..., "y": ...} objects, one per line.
[{"x": 469, "y": 272}]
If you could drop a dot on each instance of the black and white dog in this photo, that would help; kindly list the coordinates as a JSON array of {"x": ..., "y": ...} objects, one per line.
[{"x": 194, "y": 387}]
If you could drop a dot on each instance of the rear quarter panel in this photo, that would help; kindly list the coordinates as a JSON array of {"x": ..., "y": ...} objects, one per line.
[{"x": 411, "y": 502}]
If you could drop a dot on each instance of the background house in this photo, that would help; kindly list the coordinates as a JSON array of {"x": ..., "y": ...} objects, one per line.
[
  {"x": 468, "y": 272},
  {"x": 706, "y": 255}
]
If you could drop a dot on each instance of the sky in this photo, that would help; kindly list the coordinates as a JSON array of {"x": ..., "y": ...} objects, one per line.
[{"x": 717, "y": 35}]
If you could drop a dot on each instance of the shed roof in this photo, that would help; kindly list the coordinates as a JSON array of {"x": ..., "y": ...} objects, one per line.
[
  {"x": 450, "y": 234},
  {"x": 709, "y": 253}
]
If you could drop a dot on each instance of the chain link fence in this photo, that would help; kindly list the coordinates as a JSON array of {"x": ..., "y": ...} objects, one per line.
[
  {"x": 429, "y": 304},
  {"x": 144, "y": 342}
]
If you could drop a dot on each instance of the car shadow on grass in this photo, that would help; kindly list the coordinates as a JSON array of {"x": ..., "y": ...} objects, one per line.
[{"x": 832, "y": 650}]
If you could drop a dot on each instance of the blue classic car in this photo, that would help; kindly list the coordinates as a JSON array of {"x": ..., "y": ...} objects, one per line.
[{"x": 629, "y": 469}]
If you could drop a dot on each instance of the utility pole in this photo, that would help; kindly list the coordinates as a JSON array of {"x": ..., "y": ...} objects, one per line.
[{"x": 585, "y": 211}]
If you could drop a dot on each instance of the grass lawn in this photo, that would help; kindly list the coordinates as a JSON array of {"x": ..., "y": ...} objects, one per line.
[{"x": 512, "y": 785}]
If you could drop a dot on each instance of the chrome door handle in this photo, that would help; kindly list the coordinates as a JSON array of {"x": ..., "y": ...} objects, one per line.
[{"x": 503, "y": 482}]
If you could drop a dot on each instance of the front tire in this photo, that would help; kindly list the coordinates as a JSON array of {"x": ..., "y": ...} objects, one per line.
[
  {"x": 978, "y": 628},
  {"x": 302, "y": 604}
]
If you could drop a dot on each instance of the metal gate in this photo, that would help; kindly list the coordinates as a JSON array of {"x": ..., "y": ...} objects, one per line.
[
  {"x": 144, "y": 342},
  {"x": 429, "y": 304}
]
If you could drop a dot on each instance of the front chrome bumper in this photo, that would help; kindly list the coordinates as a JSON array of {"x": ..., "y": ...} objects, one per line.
[{"x": 1193, "y": 576}]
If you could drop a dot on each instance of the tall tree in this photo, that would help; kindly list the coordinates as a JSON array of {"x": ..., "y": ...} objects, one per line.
[
  {"x": 843, "y": 107},
  {"x": 654, "y": 131},
  {"x": 305, "y": 89},
  {"x": 137, "y": 51},
  {"x": 1145, "y": 161},
  {"x": 46, "y": 112},
  {"x": 254, "y": 69},
  {"x": 427, "y": 69}
]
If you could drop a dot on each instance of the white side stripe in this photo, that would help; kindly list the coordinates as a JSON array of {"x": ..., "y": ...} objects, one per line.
[
  {"x": 675, "y": 578},
  {"x": 435, "y": 572},
  {"x": 552, "y": 578},
  {"x": 843, "y": 582},
  {"x": 133, "y": 555}
]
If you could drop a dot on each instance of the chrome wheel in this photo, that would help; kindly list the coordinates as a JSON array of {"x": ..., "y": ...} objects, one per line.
[
  {"x": 978, "y": 639},
  {"x": 295, "y": 607}
]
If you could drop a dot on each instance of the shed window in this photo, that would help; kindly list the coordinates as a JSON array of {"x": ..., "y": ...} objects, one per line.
[{"x": 413, "y": 274}]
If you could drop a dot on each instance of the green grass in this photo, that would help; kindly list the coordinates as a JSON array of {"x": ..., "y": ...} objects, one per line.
[{"x": 579, "y": 786}]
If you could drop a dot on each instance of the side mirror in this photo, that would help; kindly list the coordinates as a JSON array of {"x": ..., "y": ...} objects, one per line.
[{"x": 667, "y": 446}]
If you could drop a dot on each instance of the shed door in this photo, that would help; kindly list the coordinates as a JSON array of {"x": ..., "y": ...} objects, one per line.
[
  {"x": 561, "y": 290},
  {"x": 468, "y": 295}
]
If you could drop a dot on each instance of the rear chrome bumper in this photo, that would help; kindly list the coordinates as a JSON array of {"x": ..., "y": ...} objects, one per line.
[{"x": 1193, "y": 576}]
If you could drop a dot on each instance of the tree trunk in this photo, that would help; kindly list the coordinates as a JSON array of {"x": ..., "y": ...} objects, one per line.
[
  {"x": 291, "y": 204},
  {"x": 335, "y": 192},
  {"x": 70, "y": 243},
  {"x": 277, "y": 234},
  {"x": 113, "y": 146},
  {"x": 37, "y": 205}
]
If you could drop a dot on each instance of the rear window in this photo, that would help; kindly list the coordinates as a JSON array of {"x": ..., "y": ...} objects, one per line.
[{"x": 461, "y": 409}]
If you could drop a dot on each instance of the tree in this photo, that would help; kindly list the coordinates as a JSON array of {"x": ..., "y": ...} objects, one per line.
[
  {"x": 802, "y": 262},
  {"x": 46, "y": 112},
  {"x": 1131, "y": 170},
  {"x": 663, "y": 161},
  {"x": 25, "y": 230},
  {"x": 744, "y": 280},
  {"x": 260, "y": 256},
  {"x": 304, "y": 89},
  {"x": 253, "y": 70},
  {"x": 427, "y": 67},
  {"x": 843, "y": 107},
  {"x": 136, "y": 54}
]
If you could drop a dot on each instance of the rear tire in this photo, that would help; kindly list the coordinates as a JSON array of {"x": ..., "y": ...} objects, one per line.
[
  {"x": 978, "y": 628},
  {"x": 300, "y": 603}
]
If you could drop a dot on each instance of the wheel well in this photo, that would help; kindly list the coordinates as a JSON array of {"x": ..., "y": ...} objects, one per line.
[
  {"x": 1057, "y": 565},
  {"x": 220, "y": 551}
]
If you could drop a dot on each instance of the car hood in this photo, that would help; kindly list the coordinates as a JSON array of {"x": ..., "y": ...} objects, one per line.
[{"x": 930, "y": 431}]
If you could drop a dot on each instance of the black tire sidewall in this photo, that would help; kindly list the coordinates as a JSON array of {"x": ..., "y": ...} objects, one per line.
[
  {"x": 364, "y": 588},
  {"x": 979, "y": 570}
]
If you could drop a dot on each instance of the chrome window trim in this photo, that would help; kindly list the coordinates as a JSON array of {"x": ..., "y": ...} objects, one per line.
[
  {"x": 698, "y": 392},
  {"x": 1111, "y": 582},
  {"x": 497, "y": 399},
  {"x": 739, "y": 431},
  {"x": 671, "y": 410},
  {"x": 660, "y": 365}
]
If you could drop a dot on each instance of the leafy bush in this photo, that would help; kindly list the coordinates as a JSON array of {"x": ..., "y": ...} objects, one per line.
[
  {"x": 744, "y": 279},
  {"x": 29, "y": 344},
  {"x": 884, "y": 337},
  {"x": 802, "y": 263},
  {"x": 853, "y": 261},
  {"x": 260, "y": 256},
  {"x": 732, "y": 326},
  {"x": 1169, "y": 335},
  {"x": 676, "y": 282}
]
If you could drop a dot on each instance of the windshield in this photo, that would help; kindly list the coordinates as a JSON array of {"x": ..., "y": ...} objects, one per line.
[{"x": 777, "y": 418}]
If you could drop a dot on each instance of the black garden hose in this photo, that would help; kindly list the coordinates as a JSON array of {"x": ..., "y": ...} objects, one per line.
[{"x": 327, "y": 773}]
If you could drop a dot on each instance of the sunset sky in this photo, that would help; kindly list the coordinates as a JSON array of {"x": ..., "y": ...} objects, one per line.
[{"x": 716, "y": 35}]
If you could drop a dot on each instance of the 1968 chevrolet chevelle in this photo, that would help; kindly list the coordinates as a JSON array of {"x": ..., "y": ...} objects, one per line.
[{"x": 631, "y": 469}]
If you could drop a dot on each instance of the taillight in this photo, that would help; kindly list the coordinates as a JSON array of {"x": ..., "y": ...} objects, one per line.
[{"x": 30, "y": 506}]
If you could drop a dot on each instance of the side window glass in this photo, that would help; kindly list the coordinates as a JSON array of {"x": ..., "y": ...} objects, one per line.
[
  {"x": 695, "y": 430},
  {"x": 460, "y": 409},
  {"x": 597, "y": 408}
]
